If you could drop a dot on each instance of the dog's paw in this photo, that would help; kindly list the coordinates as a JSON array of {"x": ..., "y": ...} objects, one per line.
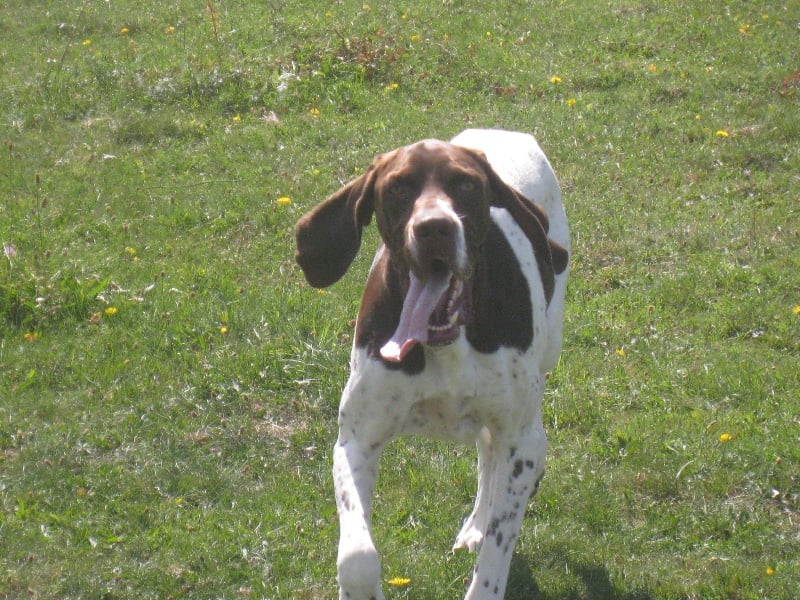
[
  {"x": 359, "y": 573},
  {"x": 470, "y": 538}
]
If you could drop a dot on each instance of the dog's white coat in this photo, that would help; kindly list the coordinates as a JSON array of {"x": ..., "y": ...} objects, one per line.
[{"x": 492, "y": 399}]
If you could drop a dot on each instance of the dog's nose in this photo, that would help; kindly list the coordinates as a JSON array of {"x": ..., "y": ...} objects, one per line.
[
  {"x": 435, "y": 246},
  {"x": 435, "y": 230}
]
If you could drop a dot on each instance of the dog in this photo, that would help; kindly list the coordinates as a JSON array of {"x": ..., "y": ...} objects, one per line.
[{"x": 459, "y": 323}]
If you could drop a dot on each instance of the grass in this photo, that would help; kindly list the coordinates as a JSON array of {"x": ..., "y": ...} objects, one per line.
[{"x": 169, "y": 383}]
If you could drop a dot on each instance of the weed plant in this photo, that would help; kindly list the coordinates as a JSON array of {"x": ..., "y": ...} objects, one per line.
[{"x": 169, "y": 383}]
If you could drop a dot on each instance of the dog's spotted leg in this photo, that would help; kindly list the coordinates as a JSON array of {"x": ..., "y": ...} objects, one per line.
[
  {"x": 471, "y": 534},
  {"x": 519, "y": 466},
  {"x": 355, "y": 470}
]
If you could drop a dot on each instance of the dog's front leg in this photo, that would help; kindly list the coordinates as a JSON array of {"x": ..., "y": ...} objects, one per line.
[
  {"x": 471, "y": 535},
  {"x": 355, "y": 470},
  {"x": 519, "y": 467}
]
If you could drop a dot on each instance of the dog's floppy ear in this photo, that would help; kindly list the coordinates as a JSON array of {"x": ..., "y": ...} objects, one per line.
[
  {"x": 551, "y": 257},
  {"x": 328, "y": 237}
]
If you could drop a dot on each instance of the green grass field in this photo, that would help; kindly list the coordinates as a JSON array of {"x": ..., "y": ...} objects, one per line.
[{"x": 169, "y": 383}]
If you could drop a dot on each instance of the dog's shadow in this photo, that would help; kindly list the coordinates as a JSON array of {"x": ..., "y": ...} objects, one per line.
[{"x": 594, "y": 584}]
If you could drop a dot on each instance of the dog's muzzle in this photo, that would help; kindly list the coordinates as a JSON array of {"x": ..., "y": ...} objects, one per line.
[{"x": 438, "y": 296}]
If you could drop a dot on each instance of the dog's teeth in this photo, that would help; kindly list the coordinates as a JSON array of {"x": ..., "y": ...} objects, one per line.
[
  {"x": 457, "y": 289},
  {"x": 452, "y": 321}
]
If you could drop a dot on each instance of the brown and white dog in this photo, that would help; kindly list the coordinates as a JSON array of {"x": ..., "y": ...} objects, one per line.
[{"x": 459, "y": 323}]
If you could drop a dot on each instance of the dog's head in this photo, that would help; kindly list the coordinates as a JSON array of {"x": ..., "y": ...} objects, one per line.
[{"x": 431, "y": 203}]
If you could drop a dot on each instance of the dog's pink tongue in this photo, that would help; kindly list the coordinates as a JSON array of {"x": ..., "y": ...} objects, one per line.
[{"x": 418, "y": 306}]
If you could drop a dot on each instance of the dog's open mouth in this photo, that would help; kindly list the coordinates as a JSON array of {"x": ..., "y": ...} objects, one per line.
[{"x": 433, "y": 311}]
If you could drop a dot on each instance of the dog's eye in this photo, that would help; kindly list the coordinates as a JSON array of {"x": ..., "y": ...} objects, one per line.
[
  {"x": 467, "y": 185},
  {"x": 398, "y": 189}
]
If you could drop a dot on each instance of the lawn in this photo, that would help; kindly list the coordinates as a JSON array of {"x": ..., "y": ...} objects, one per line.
[{"x": 169, "y": 383}]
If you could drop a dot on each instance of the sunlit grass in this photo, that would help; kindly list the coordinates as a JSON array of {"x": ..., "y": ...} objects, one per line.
[{"x": 168, "y": 382}]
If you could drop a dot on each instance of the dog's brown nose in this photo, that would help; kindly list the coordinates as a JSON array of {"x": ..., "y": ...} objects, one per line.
[
  {"x": 435, "y": 230},
  {"x": 435, "y": 246}
]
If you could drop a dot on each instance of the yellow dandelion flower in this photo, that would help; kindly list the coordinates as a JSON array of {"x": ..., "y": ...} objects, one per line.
[
  {"x": 555, "y": 80},
  {"x": 314, "y": 112},
  {"x": 169, "y": 30},
  {"x": 571, "y": 102},
  {"x": 321, "y": 292},
  {"x": 770, "y": 571},
  {"x": 652, "y": 68},
  {"x": 399, "y": 581},
  {"x": 725, "y": 437},
  {"x": 111, "y": 311},
  {"x": 744, "y": 29},
  {"x": 722, "y": 133},
  {"x": 223, "y": 330},
  {"x": 86, "y": 42},
  {"x": 620, "y": 351},
  {"x": 796, "y": 310},
  {"x": 415, "y": 38},
  {"x": 392, "y": 86},
  {"x": 236, "y": 118},
  {"x": 284, "y": 201},
  {"x": 30, "y": 336},
  {"x": 124, "y": 31}
]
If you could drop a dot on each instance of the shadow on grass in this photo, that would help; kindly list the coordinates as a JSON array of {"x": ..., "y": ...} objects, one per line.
[{"x": 594, "y": 584}]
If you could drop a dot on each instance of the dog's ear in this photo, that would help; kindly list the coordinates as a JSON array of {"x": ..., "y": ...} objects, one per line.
[
  {"x": 328, "y": 237},
  {"x": 551, "y": 257},
  {"x": 529, "y": 216}
]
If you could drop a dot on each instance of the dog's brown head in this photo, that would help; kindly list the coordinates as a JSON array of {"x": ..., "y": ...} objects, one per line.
[{"x": 431, "y": 203}]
